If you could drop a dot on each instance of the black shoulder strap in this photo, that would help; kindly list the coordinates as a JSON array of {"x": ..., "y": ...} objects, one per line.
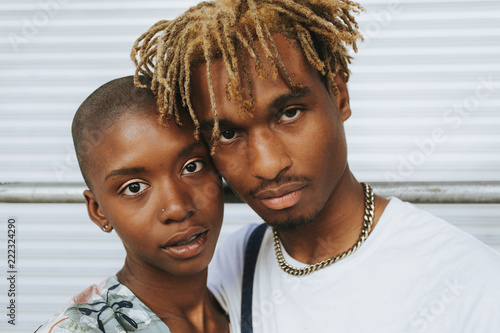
[{"x": 251, "y": 254}]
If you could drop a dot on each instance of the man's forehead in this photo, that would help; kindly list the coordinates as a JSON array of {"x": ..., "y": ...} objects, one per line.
[
  {"x": 287, "y": 48},
  {"x": 202, "y": 82}
]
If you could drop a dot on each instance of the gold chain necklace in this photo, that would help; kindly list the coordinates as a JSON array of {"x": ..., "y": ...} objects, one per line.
[{"x": 365, "y": 231}]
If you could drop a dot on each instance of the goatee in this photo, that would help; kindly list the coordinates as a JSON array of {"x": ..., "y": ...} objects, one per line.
[{"x": 293, "y": 224}]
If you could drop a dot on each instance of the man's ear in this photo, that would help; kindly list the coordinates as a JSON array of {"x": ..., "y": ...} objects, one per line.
[
  {"x": 95, "y": 212},
  {"x": 342, "y": 98}
]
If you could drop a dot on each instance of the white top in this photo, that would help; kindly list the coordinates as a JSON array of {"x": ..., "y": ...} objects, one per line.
[{"x": 414, "y": 273}]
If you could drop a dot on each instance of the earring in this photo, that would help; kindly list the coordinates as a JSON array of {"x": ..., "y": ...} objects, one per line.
[
  {"x": 163, "y": 210},
  {"x": 105, "y": 228}
]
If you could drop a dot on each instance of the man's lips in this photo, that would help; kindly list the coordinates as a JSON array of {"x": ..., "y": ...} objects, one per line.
[{"x": 281, "y": 197}]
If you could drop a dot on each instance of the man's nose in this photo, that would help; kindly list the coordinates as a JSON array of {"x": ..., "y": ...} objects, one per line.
[{"x": 267, "y": 154}]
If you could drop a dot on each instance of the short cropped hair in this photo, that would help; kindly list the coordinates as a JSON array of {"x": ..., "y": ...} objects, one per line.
[
  {"x": 100, "y": 111},
  {"x": 169, "y": 50}
]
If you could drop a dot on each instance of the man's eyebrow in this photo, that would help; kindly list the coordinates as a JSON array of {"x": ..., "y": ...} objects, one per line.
[
  {"x": 297, "y": 92},
  {"x": 124, "y": 172},
  {"x": 278, "y": 103},
  {"x": 208, "y": 125}
]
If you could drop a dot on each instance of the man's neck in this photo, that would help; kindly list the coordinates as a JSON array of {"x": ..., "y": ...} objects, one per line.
[{"x": 336, "y": 228}]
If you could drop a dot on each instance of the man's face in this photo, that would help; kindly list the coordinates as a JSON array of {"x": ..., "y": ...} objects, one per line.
[
  {"x": 158, "y": 189},
  {"x": 286, "y": 160}
]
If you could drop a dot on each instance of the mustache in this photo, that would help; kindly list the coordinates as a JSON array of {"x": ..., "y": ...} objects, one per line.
[{"x": 276, "y": 182}]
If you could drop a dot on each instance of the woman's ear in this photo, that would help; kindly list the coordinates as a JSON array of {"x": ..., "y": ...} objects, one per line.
[
  {"x": 95, "y": 212},
  {"x": 342, "y": 97}
]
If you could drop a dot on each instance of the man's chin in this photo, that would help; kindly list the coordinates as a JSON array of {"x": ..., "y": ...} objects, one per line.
[{"x": 291, "y": 224}]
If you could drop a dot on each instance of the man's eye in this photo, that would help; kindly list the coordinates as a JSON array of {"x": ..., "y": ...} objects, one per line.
[
  {"x": 134, "y": 188},
  {"x": 290, "y": 114},
  {"x": 192, "y": 167},
  {"x": 227, "y": 135}
]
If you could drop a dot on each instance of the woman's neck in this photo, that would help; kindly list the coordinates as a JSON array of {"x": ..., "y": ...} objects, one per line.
[{"x": 184, "y": 303}]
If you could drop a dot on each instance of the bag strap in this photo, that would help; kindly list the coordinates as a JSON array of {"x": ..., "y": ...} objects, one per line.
[{"x": 251, "y": 254}]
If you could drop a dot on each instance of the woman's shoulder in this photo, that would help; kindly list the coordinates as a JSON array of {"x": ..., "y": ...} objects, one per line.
[
  {"x": 106, "y": 307},
  {"x": 61, "y": 323}
]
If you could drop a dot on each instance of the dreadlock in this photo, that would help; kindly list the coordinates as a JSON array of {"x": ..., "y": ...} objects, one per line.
[{"x": 224, "y": 29}]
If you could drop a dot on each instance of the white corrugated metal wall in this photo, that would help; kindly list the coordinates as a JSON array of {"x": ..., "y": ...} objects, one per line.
[{"x": 424, "y": 93}]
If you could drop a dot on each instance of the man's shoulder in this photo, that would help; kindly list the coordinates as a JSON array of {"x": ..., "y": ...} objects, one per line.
[
  {"x": 226, "y": 269},
  {"x": 237, "y": 240},
  {"x": 230, "y": 251},
  {"x": 425, "y": 234}
]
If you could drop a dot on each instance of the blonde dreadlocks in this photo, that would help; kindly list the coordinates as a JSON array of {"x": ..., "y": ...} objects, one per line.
[{"x": 223, "y": 29}]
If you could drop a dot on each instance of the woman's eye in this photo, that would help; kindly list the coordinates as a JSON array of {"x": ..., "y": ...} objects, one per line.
[
  {"x": 227, "y": 135},
  {"x": 192, "y": 167},
  {"x": 134, "y": 188},
  {"x": 290, "y": 114}
]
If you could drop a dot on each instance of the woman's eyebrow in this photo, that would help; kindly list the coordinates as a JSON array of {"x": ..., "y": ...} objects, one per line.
[
  {"x": 136, "y": 170},
  {"x": 124, "y": 172},
  {"x": 188, "y": 149}
]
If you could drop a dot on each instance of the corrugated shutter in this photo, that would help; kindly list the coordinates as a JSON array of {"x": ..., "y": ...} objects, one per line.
[{"x": 425, "y": 67}]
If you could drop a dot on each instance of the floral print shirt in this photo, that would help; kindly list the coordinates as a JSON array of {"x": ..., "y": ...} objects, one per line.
[{"x": 108, "y": 307}]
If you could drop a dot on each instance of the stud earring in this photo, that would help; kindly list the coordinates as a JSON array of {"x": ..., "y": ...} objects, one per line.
[
  {"x": 105, "y": 228},
  {"x": 163, "y": 210}
]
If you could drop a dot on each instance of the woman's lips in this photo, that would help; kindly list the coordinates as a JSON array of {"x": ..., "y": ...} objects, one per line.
[
  {"x": 281, "y": 197},
  {"x": 187, "y": 246}
]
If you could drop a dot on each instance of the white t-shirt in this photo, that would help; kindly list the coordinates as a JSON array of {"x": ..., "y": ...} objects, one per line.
[{"x": 414, "y": 273}]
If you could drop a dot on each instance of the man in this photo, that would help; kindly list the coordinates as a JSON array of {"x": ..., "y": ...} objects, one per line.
[{"x": 265, "y": 84}]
